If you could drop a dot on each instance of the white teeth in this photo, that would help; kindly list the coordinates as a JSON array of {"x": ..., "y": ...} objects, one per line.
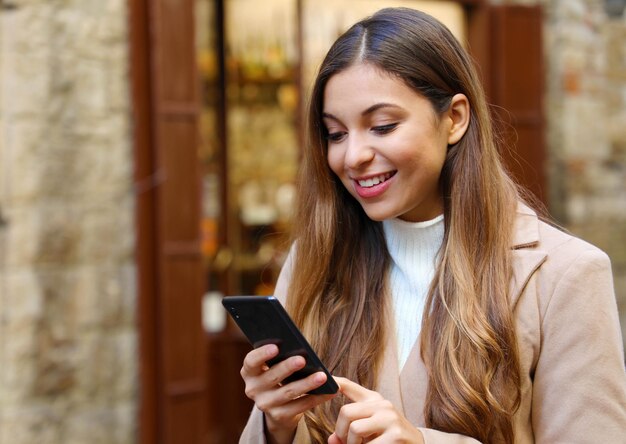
[{"x": 373, "y": 181}]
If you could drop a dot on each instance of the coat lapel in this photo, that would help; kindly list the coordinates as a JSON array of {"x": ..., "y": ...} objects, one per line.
[
  {"x": 525, "y": 263},
  {"x": 388, "y": 381},
  {"x": 413, "y": 384},
  {"x": 527, "y": 258}
]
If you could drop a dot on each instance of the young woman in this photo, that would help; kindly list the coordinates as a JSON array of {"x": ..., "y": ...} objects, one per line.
[{"x": 450, "y": 311}]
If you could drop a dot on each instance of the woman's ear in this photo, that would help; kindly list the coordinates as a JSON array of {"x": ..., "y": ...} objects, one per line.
[{"x": 459, "y": 115}]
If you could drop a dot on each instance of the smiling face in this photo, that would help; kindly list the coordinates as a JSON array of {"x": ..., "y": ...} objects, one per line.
[{"x": 386, "y": 143}]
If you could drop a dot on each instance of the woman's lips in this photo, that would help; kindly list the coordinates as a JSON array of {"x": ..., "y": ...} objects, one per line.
[{"x": 373, "y": 186}]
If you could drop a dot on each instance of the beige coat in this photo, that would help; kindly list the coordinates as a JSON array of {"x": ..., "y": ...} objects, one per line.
[{"x": 572, "y": 358}]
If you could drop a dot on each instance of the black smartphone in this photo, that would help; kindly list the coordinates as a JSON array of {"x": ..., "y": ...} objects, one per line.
[{"x": 264, "y": 320}]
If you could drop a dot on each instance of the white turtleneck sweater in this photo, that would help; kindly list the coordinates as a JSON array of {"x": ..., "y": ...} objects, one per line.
[{"x": 413, "y": 247}]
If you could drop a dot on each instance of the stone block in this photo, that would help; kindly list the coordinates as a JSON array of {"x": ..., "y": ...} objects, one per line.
[
  {"x": 57, "y": 335},
  {"x": 618, "y": 152},
  {"x": 117, "y": 74},
  {"x": 584, "y": 134},
  {"x": 606, "y": 177},
  {"x": 104, "y": 298},
  {"x": 111, "y": 25},
  {"x": 573, "y": 59},
  {"x": 128, "y": 280},
  {"x": 59, "y": 233},
  {"x": 104, "y": 166},
  {"x": 21, "y": 295},
  {"x": 29, "y": 25},
  {"x": 108, "y": 368},
  {"x": 17, "y": 379},
  {"x": 87, "y": 166},
  {"x": 106, "y": 233},
  {"x": 93, "y": 25},
  {"x": 615, "y": 35},
  {"x": 65, "y": 165},
  {"x": 26, "y": 83},
  {"x": 571, "y": 10},
  {"x": 101, "y": 425},
  {"x": 127, "y": 382},
  {"x": 29, "y": 423},
  {"x": 27, "y": 139},
  {"x": 20, "y": 311},
  {"x": 90, "y": 92},
  {"x": 607, "y": 234},
  {"x": 4, "y": 185},
  {"x": 20, "y": 234},
  {"x": 576, "y": 209},
  {"x": 610, "y": 207},
  {"x": 595, "y": 85},
  {"x": 59, "y": 169}
]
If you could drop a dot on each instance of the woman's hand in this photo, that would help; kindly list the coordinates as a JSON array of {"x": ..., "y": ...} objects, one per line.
[
  {"x": 283, "y": 405},
  {"x": 370, "y": 418}
]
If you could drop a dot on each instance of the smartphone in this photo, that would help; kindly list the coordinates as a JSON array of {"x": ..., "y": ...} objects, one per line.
[{"x": 264, "y": 320}]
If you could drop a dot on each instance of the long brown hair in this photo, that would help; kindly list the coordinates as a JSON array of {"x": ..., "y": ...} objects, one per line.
[{"x": 338, "y": 291}]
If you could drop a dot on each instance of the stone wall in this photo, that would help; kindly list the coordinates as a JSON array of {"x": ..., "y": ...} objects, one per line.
[
  {"x": 585, "y": 104},
  {"x": 586, "y": 110},
  {"x": 68, "y": 345}
]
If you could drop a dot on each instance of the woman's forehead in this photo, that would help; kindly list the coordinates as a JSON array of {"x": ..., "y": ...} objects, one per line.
[{"x": 364, "y": 88}]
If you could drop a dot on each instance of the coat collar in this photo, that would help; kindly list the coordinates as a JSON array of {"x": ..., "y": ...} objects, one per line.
[
  {"x": 406, "y": 388},
  {"x": 412, "y": 380},
  {"x": 527, "y": 253},
  {"x": 526, "y": 232}
]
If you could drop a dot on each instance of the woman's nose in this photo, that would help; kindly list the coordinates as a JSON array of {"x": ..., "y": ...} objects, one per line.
[{"x": 358, "y": 152}]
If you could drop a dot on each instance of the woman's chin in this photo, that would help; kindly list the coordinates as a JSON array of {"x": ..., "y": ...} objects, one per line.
[{"x": 378, "y": 215}]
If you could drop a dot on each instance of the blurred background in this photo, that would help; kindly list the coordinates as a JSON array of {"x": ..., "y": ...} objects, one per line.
[{"x": 148, "y": 152}]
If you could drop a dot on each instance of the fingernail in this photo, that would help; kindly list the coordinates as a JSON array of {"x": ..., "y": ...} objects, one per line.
[{"x": 319, "y": 377}]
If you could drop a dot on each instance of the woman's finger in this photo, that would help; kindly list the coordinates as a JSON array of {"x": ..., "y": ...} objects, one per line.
[
  {"x": 364, "y": 405},
  {"x": 297, "y": 407},
  {"x": 350, "y": 413},
  {"x": 269, "y": 380},
  {"x": 362, "y": 430},
  {"x": 255, "y": 360},
  {"x": 301, "y": 387},
  {"x": 289, "y": 393},
  {"x": 333, "y": 439},
  {"x": 278, "y": 372},
  {"x": 355, "y": 392}
]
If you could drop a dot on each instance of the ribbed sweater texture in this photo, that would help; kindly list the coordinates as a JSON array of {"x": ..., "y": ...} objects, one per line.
[{"x": 413, "y": 247}]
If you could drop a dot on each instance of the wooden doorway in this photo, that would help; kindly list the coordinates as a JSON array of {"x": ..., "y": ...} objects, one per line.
[{"x": 175, "y": 389}]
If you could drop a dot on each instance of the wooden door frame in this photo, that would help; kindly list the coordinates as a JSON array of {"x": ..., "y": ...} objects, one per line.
[
  {"x": 172, "y": 393},
  {"x": 152, "y": 415},
  {"x": 145, "y": 219}
]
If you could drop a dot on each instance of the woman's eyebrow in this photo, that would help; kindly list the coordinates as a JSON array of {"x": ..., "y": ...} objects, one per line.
[
  {"x": 372, "y": 109},
  {"x": 378, "y": 106}
]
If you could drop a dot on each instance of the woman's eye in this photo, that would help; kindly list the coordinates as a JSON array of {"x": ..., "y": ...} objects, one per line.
[
  {"x": 336, "y": 136},
  {"x": 384, "y": 129}
]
